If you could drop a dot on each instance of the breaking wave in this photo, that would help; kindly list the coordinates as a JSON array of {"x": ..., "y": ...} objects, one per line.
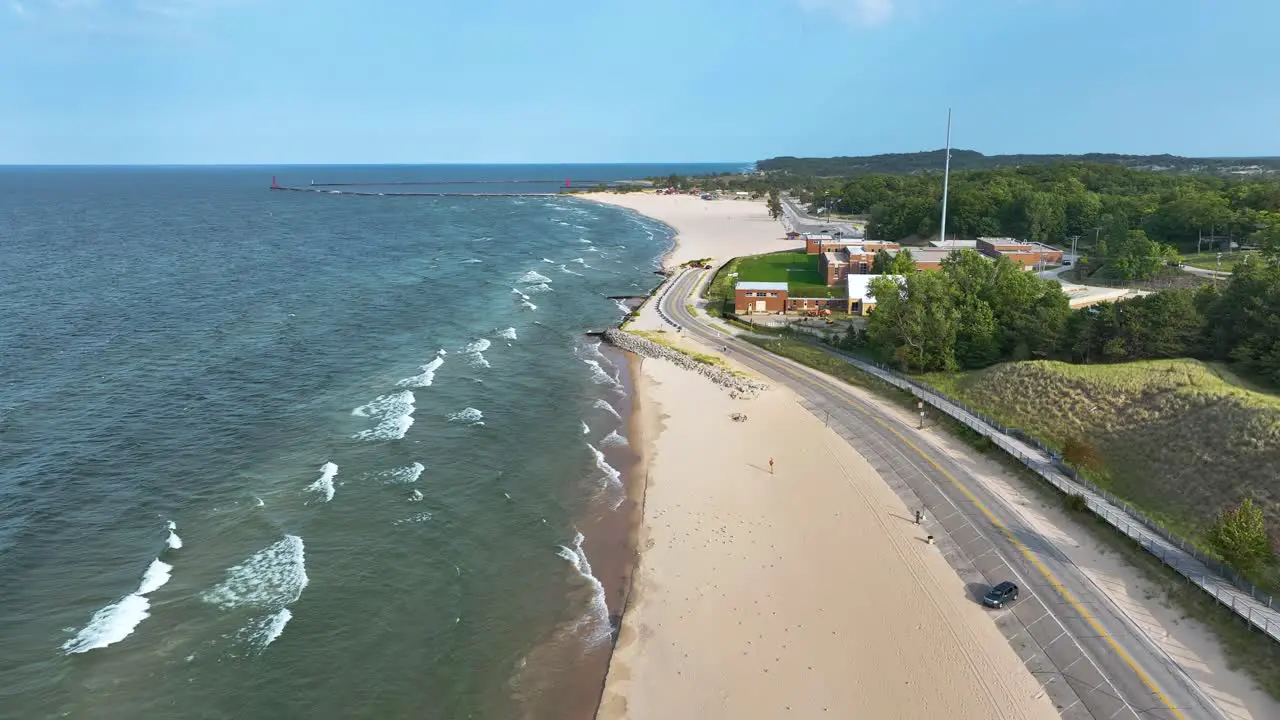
[
  {"x": 532, "y": 278},
  {"x": 567, "y": 270},
  {"x": 119, "y": 619},
  {"x": 394, "y": 414},
  {"x": 526, "y": 304},
  {"x": 157, "y": 574},
  {"x": 405, "y": 475},
  {"x": 173, "y": 541},
  {"x": 604, "y": 405},
  {"x": 262, "y": 631},
  {"x": 324, "y": 485},
  {"x": 508, "y": 334},
  {"x": 585, "y": 430},
  {"x": 613, "y": 439},
  {"x": 475, "y": 350},
  {"x": 539, "y": 288},
  {"x": 470, "y": 416},
  {"x": 611, "y": 478},
  {"x": 270, "y": 578},
  {"x": 110, "y": 625},
  {"x": 593, "y": 626},
  {"x": 427, "y": 376}
]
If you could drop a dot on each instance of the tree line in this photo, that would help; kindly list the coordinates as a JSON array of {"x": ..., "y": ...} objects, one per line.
[
  {"x": 931, "y": 160},
  {"x": 1054, "y": 202},
  {"x": 974, "y": 312}
]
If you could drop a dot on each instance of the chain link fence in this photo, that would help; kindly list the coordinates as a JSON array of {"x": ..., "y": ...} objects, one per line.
[{"x": 1213, "y": 576}]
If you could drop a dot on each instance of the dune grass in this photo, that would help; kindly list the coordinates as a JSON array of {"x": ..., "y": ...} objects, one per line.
[{"x": 1180, "y": 439}]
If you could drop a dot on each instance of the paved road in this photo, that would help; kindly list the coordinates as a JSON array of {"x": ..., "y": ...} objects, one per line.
[
  {"x": 803, "y": 222},
  {"x": 1090, "y": 659}
]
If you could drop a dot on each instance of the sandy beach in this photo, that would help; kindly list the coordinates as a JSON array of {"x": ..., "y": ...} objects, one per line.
[
  {"x": 808, "y": 592},
  {"x": 717, "y": 229}
]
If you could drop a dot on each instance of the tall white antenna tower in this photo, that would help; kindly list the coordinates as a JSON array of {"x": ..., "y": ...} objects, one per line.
[{"x": 946, "y": 180}]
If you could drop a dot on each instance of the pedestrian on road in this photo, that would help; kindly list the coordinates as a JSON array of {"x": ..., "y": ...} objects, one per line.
[{"x": 770, "y": 466}]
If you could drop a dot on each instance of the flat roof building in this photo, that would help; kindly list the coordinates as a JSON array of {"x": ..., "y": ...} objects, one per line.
[
  {"x": 1024, "y": 254},
  {"x": 759, "y": 297},
  {"x": 861, "y": 301}
]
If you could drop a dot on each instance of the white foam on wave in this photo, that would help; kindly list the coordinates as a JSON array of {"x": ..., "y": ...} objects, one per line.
[
  {"x": 548, "y": 260},
  {"x": 117, "y": 621},
  {"x": 584, "y": 240},
  {"x": 613, "y": 439},
  {"x": 567, "y": 270},
  {"x": 539, "y": 288},
  {"x": 413, "y": 519},
  {"x": 598, "y": 375},
  {"x": 508, "y": 334},
  {"x": 470, "y": 416},
  {"x": 173, "y": 541},
  {"x": 611, "y": 478},
  {"x": 474, "y": 350},
  {"x": 272, "y": 578},
  {"x": 404, "y": 475},
  {"x": 110, "y": 625},
  {"x": 533, "y": 277},
  {"x": 623, "y": 307},
  {"x": 427, "y": 376},
  {"x": 604, "y": 405},
  {"x": 394, "y": 414},
  {"x": 528, "y": 305},
  {"x": 262, "y": 631},
  {"x": 585, "y": 430},
  {"x": 594, "y": 625},
  {"x": 471, "y": 261},
  {"x": 157, "y": 574},
  {"x": 324, "y": 485},
  {"x": 593, "y": 349},
  {"x": 415, "y": 496}
]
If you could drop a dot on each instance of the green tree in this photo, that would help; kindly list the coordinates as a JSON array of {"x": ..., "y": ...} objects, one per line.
[
  {"x": 882, "y": 263},
  {"x": 902, "y": 263},
  {"x": 774, "y": 203},
  {"x": 1137, "y": 257},
  {"x": 916, "y": 320},
  {"x": 1240, "y": 535}
]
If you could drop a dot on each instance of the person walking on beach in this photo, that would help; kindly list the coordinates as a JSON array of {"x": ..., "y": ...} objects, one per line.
[
  {"x": 919, "y": 517},
  {"x": 770, "y": 466}
]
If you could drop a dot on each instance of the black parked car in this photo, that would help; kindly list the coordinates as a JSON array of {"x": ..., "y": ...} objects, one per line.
[{"x": 996, "y": 597}]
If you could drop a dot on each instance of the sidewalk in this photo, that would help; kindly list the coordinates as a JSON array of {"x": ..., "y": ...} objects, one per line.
[{"x": 1260, "y": 613}]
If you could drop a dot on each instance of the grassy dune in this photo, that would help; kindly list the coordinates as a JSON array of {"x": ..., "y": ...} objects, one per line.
[{"x": 1179, "y": 438}]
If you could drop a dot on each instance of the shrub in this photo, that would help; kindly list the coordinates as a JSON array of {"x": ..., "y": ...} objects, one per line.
[{"x": 1075, "y": 503}]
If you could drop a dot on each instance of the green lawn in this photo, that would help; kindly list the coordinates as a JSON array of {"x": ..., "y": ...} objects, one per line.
[
  {"x": 798, "y": 269},
  {"x": 1209, "y": 261}
]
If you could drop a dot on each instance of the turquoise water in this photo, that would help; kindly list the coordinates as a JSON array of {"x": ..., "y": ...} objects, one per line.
[{"x": 273, "y": 454}]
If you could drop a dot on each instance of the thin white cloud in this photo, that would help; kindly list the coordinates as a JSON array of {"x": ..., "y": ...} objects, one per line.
[
  {"x": 858, "y": 13},
  {"x": 121, "y": 16}
]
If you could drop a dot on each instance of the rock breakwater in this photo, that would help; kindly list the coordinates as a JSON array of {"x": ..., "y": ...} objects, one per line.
[{"x": 738, "y": 386}]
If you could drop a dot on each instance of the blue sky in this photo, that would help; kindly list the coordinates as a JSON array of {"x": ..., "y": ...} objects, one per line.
[{"x": 266, "y": 81}]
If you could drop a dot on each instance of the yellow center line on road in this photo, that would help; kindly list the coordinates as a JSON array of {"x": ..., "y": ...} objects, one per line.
[{"x": 1066, "y": 594}]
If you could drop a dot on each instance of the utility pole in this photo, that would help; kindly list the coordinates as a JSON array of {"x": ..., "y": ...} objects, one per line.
[
  {"x": 1074, "y": 238},
  {"x": 920, "y": 407},
  {"x": 1215, "y": 277},
  {"x": 946, "y": 179}
]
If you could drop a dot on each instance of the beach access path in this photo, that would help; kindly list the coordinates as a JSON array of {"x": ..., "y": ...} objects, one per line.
[{"x": 1131, "y": 601}]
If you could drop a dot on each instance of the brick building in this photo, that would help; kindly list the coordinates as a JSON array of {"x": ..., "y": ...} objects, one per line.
[
  {"x": 759, "y": 297},
  {"x": 1023, "y": 254}
]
